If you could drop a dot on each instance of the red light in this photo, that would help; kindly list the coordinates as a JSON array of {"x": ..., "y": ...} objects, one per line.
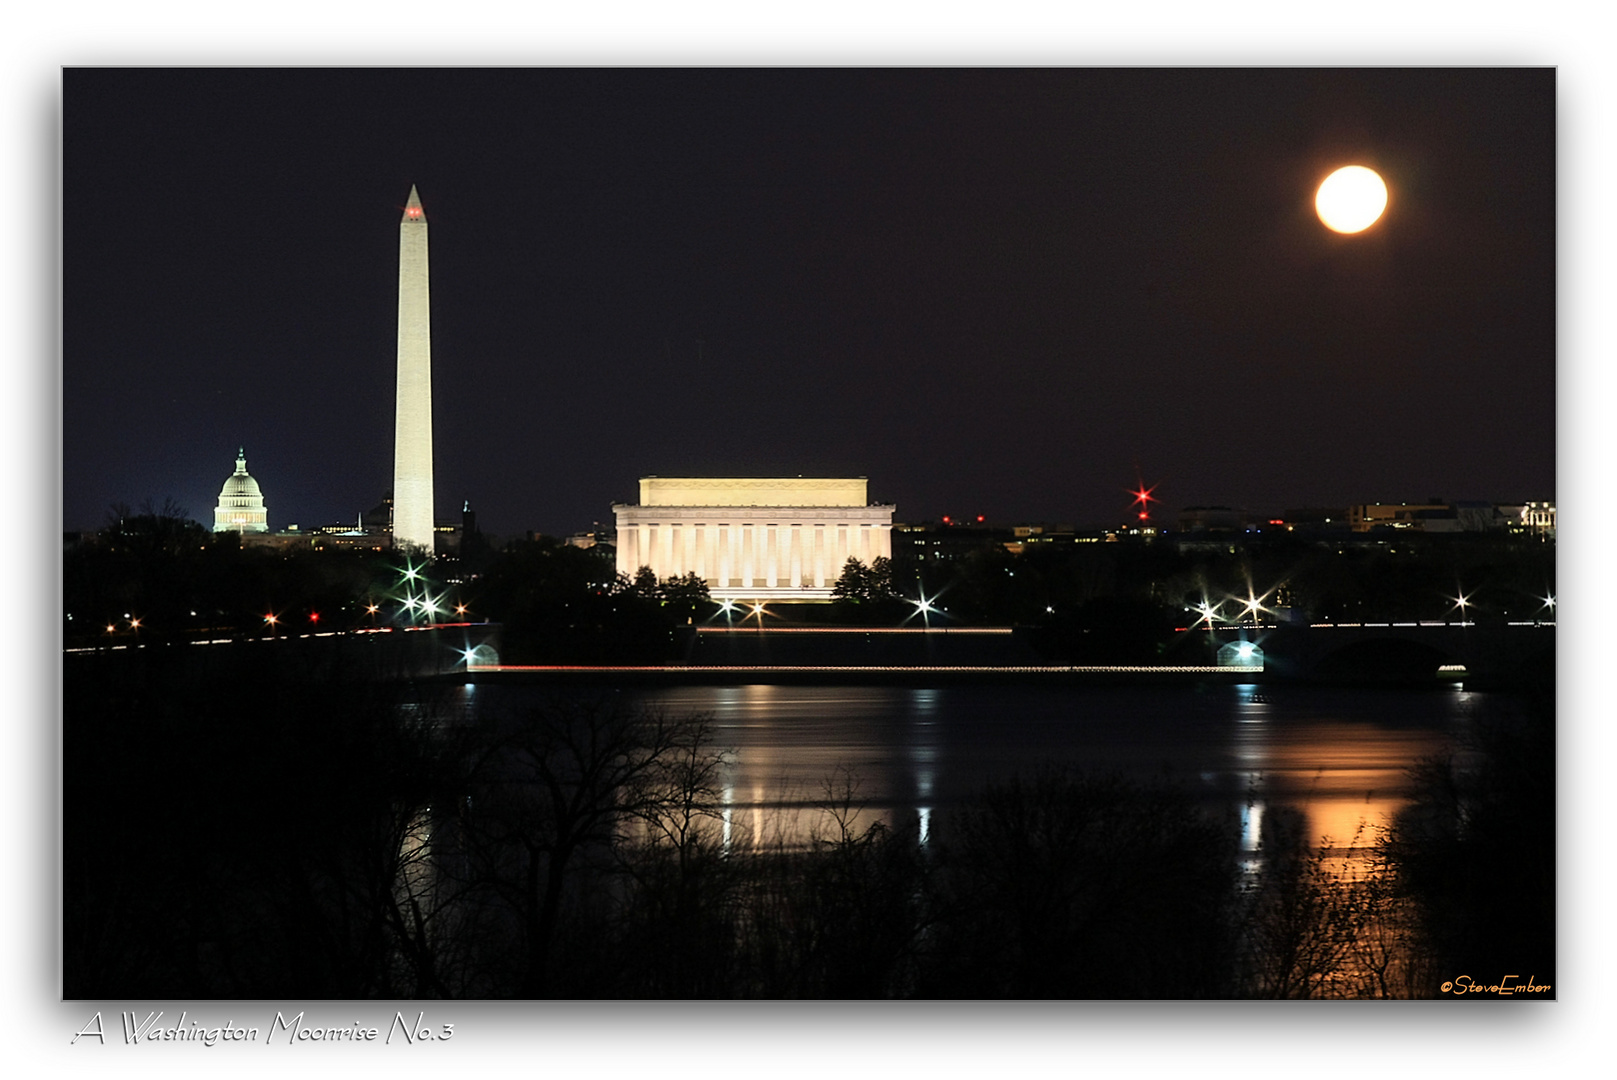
[
  {"x": 314, "y": 616},
  {"x": 414, "y": 211},
  {"x": 979, "y": 517},
  {"x": 946, "y": 519}
]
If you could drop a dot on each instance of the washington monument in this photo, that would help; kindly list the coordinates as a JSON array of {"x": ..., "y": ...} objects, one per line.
[{"x": 412, "y": 433}]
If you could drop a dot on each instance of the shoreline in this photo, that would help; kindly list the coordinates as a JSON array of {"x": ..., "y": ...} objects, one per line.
[{"x": 787, "y": 675}]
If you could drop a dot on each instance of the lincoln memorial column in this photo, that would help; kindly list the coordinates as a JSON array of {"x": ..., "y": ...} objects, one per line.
[{"x": 788, "y": 554}]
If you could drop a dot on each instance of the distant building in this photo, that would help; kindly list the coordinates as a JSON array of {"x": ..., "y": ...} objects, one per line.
[
  {"x": 241, "y": 503},
  {"x": 1366, "y": 516},
  {"x": 1033, "y": 537},
  {"x": 597, "y": 537},
  {"x": 1213, "y": 519},
  {"x": 1534, "y": 517},
  {"x": 1314, "y": 519},
  {"x": 1434, "y": 516},
  {"x": 372, "y": 530},
  {"x": 753, "y": 538},
  {"x": 951, "y": 539},
  {"x": 1478, "y": 516}
]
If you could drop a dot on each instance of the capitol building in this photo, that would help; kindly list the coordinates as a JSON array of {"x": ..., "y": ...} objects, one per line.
[{"x": 241, "y": 504}]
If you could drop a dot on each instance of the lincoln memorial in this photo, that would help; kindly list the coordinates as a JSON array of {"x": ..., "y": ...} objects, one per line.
[{"x": 753, "y": 538}]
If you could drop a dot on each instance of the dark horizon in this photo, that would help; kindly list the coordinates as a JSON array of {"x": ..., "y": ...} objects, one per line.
[{"x": 998, "y": 292}]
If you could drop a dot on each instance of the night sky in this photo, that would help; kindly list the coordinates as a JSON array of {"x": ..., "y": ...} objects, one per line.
[{"x": 997, "y": 292}]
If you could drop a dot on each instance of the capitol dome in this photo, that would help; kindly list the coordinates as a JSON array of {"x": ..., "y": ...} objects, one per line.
[{"x": 241, "y": 504}]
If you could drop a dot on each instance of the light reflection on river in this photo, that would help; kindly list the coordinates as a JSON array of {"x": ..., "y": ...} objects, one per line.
[{"x": 1339, "y": 756}]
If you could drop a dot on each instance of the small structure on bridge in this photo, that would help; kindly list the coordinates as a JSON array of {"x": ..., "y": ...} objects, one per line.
[{"x": 1240, "y": 654}]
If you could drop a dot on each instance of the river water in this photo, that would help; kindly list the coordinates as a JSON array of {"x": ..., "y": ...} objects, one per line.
[{"x": 1338, "y": 756}]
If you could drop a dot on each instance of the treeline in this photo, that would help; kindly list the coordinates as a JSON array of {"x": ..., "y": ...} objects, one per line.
[
  {"x": 155, "y": 577},
  {"x": 258, "y": 836},
  {"x": 560, "y": 604},
  {"x": 1405, "y": 576}
]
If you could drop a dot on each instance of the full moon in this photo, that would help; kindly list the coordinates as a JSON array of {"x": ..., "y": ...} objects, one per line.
[{"x": 1351, "y": 199}]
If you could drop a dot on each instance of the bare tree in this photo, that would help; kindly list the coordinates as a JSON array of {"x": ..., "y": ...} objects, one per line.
[{"x": 563, "y": 788}]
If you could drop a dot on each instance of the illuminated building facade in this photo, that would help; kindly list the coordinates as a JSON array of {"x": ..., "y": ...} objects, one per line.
[
  {"x": 241, "y": 503},
  {"x": 753, "y": 538},
  {"x": 412, "y": 433},
  {"x": 1536, "y": 517}
]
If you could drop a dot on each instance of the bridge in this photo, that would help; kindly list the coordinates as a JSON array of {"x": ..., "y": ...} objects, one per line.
[{"x": 1485, "y": 652}]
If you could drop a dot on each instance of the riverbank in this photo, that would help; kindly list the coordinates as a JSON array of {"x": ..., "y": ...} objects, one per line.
[{"x": 849, "y": 675}]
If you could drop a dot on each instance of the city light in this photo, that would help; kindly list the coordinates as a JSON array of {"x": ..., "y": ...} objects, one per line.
[
  {"x": 1253, "y": 603},
  {"x": 1143, "y": 499}
]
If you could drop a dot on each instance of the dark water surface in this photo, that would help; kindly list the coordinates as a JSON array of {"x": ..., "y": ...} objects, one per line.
[{"x": 1340, "y": 756}]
